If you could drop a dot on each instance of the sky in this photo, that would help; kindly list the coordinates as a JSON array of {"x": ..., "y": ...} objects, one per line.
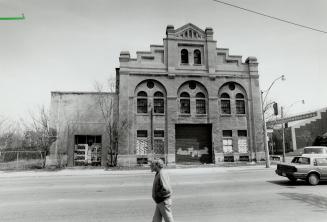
[{"x": 68, "y": 45}]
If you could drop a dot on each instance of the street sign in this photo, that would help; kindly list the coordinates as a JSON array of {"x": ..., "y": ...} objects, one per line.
[{"x": 291, "y": 119}]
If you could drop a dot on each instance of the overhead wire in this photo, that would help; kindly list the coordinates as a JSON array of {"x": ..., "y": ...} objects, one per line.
[{"x": 272, "y": 17}]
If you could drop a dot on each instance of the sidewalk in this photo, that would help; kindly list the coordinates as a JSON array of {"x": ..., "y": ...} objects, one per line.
[{"x": 128, "y": 171}]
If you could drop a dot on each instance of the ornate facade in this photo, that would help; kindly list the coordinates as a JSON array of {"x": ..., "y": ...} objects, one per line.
[{"x": 189, "y": 101}]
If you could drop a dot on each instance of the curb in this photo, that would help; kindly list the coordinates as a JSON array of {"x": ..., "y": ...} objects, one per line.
[{"x": 144, "y": 170}]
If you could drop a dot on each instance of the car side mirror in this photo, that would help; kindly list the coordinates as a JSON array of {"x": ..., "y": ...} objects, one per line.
[{"x": 315, "y": 163}]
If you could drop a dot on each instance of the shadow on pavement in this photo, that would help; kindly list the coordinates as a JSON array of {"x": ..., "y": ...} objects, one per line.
[
  {"x": 288, "y": 183},
  {"x": 310, "y": 199}
]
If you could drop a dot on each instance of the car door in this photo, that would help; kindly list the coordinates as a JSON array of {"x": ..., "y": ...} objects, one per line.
[{"x": 321, "y": 164}]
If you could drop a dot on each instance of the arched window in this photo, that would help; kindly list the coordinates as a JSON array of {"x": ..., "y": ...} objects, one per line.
[
  {"x": 142, "y": 102},
  {"x": 197, "y": 57},
  {"x": 158, "y": 102},
  {"x": 142, "y": 94},
  {"x": 225, "y": 103},
  {"x": 200, "y": 103},
  {"x": 184, "y": 56},
  {"x": 158, "y": 94},
  {"x": 200, "y": 95},
  {"x": 185, "y": 103},
  {"x": 240, "y": 104}
]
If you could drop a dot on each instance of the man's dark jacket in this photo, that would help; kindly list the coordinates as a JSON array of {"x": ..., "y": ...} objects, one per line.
[{"x": 161, "y": 189}]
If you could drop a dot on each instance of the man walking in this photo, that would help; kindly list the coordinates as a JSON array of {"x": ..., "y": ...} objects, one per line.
[{"x": 161, "y": 193}]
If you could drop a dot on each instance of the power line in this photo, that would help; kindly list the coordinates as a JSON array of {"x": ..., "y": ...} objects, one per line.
[{"x": 272, "y": 17}]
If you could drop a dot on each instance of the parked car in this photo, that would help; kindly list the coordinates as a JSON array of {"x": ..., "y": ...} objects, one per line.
[
  {"x": 314, "y": 150},
  {"x": 309, "y": 168}
]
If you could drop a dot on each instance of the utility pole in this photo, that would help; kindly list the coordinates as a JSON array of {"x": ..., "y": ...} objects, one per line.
[
  {"x": 283, "y": 131},
  {"x": 265, "y": 133},
  {"x": 263, "y": 100},
  {"x": 151, "y": 129}
]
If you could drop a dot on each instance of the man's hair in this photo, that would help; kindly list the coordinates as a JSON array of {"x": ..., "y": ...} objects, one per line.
[{"x": 158, "y": 162}]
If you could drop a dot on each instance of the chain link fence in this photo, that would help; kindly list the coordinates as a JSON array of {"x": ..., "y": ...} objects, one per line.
[{"x": 22, "y": 159}]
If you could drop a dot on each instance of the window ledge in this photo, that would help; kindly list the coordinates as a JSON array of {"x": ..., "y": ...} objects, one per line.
[
  {"x": 185, "y": 114},
  {"x": 201, "y": 115},
  {"x": 241, "y": 115},
  {"x": 159, "y": 114},
  {"x": 226, "y": 115},
  {"x": 142, "y": 114}
]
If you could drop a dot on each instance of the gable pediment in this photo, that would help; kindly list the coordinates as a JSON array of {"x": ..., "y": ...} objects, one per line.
[{"x": 189, "y": 31}]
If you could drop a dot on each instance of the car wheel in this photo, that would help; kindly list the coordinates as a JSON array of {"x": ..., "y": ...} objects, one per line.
[
  {"x": 292, "y": 179},
  {"x": 313, "y": 179}
]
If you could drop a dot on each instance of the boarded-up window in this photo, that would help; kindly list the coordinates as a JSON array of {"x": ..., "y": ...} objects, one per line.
[
  {"x": 142, "y": 142},
  {"x": 227, "y": 141},
  {"x": 227, "y": 145},
  {"x": 242, "y": 141},
  {"x": 159, "y": 142},
  {"x": 159, "y": 145}
]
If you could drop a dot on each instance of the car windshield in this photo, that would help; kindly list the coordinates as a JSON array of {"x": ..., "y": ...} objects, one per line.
[
  {"x": 313, "y": 150},
  {"x": 301, "y": 160}
]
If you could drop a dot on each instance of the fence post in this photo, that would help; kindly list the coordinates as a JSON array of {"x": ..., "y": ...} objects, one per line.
[
  {"x": 17, "y": 160},
  {"x": 43, "y": 161}
]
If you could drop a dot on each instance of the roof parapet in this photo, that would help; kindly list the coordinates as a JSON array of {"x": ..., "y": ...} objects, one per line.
[
  {"x": 251, "y": 60},
  {"x": 170, "y": 30},
  {"x": 124, "y": 56},
  {"x": 209, "y": 33}
]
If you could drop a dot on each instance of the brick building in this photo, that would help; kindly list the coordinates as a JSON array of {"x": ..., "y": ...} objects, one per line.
[{"x": 184, "y": 101}]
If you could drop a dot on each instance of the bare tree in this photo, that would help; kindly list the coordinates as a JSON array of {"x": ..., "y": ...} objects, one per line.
[
  {"x": 11, "y": 134},
  {"x": 113, "y": 126},
  {"x": 2, "y": 121},
  {"x": 38, "y": 133}
]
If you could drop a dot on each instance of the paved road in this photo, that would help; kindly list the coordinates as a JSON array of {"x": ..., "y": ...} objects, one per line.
[{"x": 202, "y": 194}]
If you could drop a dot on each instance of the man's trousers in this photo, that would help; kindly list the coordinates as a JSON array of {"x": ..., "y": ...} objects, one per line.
[{"x": 163, "y": 210}]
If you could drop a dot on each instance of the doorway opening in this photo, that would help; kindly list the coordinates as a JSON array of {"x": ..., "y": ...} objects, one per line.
[
  {"x": 87, "y": 150},
  {"x": 193, "y": 143}
]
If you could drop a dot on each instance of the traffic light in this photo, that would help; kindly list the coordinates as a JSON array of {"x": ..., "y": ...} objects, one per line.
[{"x": 275, "y": 106}]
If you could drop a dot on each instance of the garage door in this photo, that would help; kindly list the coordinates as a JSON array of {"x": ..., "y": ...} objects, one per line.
[{"x": 193, "y": 143}]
